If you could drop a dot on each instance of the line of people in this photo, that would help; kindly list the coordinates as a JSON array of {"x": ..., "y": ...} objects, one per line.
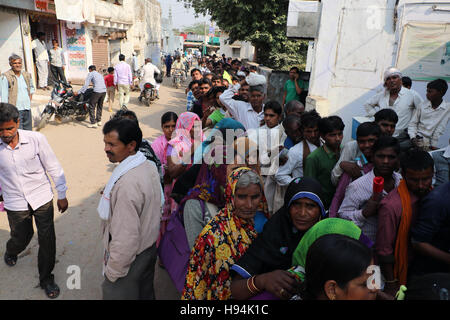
[{"x": 262, "y": 201}]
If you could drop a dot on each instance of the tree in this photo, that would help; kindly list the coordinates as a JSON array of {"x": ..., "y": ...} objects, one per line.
[{"x": 263, "y": 23}]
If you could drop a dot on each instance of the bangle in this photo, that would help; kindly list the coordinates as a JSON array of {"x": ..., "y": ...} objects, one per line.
[
  {"x": 248, "y": 286},
  {"x": 251, "y": 285}
]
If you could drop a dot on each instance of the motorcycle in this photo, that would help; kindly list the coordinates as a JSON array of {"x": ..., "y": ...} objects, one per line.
[
  {"x": 176, "y": 78},
  {"x": 148, "y": 95},
  {"x": 63, "y": 104}
]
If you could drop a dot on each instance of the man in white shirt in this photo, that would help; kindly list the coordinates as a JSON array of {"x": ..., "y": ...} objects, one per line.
[
  {"x": 400, "y": 99},
  {"x": 148, "y": 75},
  {"x": 26, "y": 163},
  {"x": 430, "y": 119},
  {"x": 250, "y": 114},
  {"x": 42, "y": 60}
]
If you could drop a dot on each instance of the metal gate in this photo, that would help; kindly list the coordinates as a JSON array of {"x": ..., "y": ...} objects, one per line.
[{"x": 100, "y": 54}]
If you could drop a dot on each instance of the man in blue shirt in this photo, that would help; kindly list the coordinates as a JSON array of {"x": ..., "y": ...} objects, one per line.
[
  {"x": 97, "y": 97},
  {"x": 17, "y": 89}
]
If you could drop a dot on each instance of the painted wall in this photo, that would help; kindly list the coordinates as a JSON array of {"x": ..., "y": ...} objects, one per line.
[{"x": 358, "y": 40}]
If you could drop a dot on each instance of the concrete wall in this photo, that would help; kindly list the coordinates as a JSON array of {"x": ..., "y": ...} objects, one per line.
[
  {"x": 247, "y": 51},
  {"x": 358, "y": 40}
]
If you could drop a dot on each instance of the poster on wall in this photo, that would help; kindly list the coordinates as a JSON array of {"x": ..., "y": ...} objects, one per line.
[
  {"x": 75, "y": 39},
  {"x": 424, "y": 52}
]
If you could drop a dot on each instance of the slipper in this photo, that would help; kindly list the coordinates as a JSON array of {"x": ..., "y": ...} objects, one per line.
[
  {"x": 10, "y": 260},
  {"x": 51, "y": 290}
]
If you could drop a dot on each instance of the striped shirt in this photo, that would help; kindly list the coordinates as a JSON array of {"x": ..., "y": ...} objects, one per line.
[{"x": 356, "y": 196}]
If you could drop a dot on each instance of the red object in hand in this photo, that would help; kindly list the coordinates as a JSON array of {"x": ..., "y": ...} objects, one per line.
[{"x": 378, "y": 184}]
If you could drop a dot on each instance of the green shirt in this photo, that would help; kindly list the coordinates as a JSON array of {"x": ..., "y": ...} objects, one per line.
[
  {"x": 289, "y": 87},
  {"x": 318, "y": 165}
]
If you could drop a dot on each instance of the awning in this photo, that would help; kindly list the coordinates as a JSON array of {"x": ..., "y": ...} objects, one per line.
[{"x": 75, "y": 10}]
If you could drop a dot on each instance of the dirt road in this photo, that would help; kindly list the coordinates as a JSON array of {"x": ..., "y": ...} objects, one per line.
[{"x": 78, "y": 234}]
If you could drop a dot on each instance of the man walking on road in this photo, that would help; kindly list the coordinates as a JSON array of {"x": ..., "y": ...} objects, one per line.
[
  {"x": 17, "y": 89},
  {"x": 123, "y": 79},
  {"x": 96, "y": 100},
  {"x": 42, "y": 61},
  {"x": 25, "y": 157},
  {"x": 130, "y": 209}
]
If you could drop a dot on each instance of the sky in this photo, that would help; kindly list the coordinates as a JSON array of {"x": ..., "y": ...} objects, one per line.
[{"x": 181, "y": 16}]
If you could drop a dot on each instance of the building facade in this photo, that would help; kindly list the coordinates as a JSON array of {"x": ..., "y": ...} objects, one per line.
[{"x": 89, "y": 31}]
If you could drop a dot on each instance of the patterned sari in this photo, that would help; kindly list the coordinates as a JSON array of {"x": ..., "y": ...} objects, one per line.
[{"x": 222, "y": 242}]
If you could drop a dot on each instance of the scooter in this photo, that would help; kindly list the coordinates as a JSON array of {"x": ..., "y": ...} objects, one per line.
[{"x": 148, "y": 95}]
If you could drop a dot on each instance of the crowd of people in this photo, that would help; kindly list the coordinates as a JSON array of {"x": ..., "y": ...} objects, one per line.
[{"x": 243, "y": 198}]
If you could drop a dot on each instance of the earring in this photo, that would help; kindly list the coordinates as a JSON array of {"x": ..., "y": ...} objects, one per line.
[{"x": 333, "y": 297}]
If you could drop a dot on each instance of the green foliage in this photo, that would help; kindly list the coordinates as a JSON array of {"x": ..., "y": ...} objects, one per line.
[{"x": 261, "y": 22}]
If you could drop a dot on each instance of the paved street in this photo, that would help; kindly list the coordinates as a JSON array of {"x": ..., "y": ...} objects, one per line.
[{"x": 78, "y": 232}]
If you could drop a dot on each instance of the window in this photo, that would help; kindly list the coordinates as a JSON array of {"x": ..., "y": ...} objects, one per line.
[{"x": 236, "y": 52}]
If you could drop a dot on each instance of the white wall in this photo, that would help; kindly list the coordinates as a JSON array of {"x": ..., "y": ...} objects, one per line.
[
  {"x": 357, "y": 42},
  {"x": 10, "y": 38}
]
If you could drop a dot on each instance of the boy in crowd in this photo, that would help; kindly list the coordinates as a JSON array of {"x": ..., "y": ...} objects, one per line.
[
  {"x": 387, "y": 120},
  {"x": 366, "y": 135},
  {"x": 430, "y": 119},
  {"x": 321, "y": 162},
  {"x": 359, "y": 153},
  {"x": 110, "y": 87},
  {"x": 361, "y": 203}
]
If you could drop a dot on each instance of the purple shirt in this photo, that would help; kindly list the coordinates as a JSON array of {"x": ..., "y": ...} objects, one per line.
[
  {"x": 343, "y": 183},
  {"x": 389, "y": 216},
  {"x": 122, "y": 74},
  {"x": 23, "y": 172}
]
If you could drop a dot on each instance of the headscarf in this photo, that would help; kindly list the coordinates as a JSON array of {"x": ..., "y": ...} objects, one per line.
[
  {"x": 222, "y": 242},
  {"x": 324, "y": 227},
  {"x": 183, "y": 141},
  {"x": 210, "y": 184},
  {"x": 391, "y": 71},
  {"x": 273, "y": 248},
  {"x": 159, "y": 145}
]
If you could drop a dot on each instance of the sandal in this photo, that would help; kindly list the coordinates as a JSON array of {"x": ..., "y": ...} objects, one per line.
[
  {"x": 51, "y": 290},
  {"x": 10, "y": 260}
]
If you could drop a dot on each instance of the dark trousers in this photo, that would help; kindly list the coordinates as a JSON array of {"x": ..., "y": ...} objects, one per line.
[
  {"x": 58, "y": 73},
  {"x": 26, "y": 122},
  {"x": 21, "y": 225},
  {"x": 138, "y": 283},
  {"x": 96, "y": 102}
]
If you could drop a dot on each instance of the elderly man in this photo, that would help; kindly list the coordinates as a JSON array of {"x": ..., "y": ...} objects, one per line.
[
  {"x": 130, "y": 209},
  {"x": 148, "y": 76},
  {"x": 399, "y": 99},
  {"x": 17, "y": 89},
  {"x": 26, "y": 163},
  {"x": 42, "y": 60},
  {"x": 251, "y": 113}
]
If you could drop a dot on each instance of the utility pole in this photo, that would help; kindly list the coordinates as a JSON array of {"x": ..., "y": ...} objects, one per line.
[{"x": 204, "y": 43}]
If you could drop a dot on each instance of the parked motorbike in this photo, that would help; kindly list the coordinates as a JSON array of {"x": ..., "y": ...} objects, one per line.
[
  {"x": 148, "y": 95},
  {"x": 64, "y": 104}
]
